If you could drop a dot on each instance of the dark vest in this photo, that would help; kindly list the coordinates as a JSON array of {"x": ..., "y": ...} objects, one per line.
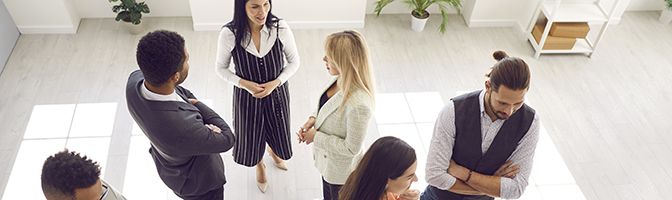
[{"x": 468, "y": 139}]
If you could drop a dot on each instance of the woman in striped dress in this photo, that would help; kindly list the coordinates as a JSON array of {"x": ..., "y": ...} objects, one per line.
[{"x": 258, "y": 42}]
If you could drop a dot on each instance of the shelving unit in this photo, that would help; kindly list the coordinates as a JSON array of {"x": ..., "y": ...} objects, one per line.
[{"x": 557, "y": 11}]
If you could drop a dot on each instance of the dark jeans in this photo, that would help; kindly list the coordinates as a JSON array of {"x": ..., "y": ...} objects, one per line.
[
  {"x": 216, "y": 194},
  {"x": 330, "y": 191},
  {"x": 433, "y": 193}
]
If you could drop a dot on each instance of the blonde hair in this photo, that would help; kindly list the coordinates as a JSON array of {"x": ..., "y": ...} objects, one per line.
[{"x": 349, "y": 53}]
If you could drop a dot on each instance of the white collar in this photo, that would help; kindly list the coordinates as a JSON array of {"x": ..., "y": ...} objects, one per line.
[{"x": 149, "y": 95}]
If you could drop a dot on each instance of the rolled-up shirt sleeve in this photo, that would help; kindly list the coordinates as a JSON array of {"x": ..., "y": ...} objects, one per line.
[{"x": 441, "y": 150}]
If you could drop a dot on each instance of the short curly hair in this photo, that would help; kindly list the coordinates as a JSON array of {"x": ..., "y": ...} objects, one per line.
[
  {"x": 159, "y": 55},
  {"x": 66, "y": 171}
]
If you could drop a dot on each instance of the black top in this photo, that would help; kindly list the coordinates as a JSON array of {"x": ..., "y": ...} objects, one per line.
[
  {"x": 185, "y": 151},
  {"x": 324, "y": 98}
]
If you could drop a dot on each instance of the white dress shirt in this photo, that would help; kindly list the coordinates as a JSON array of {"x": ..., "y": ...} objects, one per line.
[
  {"x": 149, "y": 95},
  {"x": 227, "y": 41},
  {"x": 443, "y": 141}
]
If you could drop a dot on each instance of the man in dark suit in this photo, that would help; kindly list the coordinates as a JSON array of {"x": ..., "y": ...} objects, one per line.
[{"x": 186, "y": 135}]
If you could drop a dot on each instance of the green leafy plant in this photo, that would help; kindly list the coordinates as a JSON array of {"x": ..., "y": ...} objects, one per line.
[
  {"x": 668, "y": 3},
  {"x": 419, "y": 8},
  {"x": 129, "y": 11}
]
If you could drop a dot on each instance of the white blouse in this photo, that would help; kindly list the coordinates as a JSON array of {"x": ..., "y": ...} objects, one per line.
[{"x": 227, "y": 40}]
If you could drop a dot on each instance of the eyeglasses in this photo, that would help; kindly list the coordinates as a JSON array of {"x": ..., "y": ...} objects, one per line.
[{"x": 104, "y": 192}]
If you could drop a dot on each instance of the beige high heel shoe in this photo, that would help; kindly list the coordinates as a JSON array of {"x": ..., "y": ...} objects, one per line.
[
  {"x": 262, "y": 186},
  {"x": 280, "y": 165}
]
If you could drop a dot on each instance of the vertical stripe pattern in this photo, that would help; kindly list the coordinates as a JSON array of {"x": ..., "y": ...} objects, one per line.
[{"x": 260, "y": 121}]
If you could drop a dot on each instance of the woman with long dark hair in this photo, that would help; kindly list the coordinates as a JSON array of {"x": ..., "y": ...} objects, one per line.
[
  {"x": 385, "y": 173},
  {"x": 258, "y": 42}
]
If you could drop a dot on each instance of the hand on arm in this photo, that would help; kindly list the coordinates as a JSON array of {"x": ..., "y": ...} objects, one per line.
[
  {"x": 251, "y": 87},
  {"x": 489, "y": 185},
  {"x": 461, "y": 174},
  {"x": 267, "y": 88},
  {"x": 211, "y": 119},
  {"x": 309, "y": 135},
  {"x": 508, "y": 170},
  {"x": 214, "y": 129},
  {"x": 306, "y": 126}
]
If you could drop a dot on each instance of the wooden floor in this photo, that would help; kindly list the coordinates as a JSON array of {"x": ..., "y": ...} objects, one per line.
[{"x": 606, "y": 114}]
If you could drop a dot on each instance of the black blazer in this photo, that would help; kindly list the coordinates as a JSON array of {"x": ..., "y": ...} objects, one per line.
[{"x": 185, "y": 151}]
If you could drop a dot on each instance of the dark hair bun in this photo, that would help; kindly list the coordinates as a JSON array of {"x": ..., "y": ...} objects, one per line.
[{"x": 499, "y": 55}]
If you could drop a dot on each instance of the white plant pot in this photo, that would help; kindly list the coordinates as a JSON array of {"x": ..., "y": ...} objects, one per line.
[
  {"x": 418, "y": 24},
  {"x": 134, "y": 29},
  {"x": 666, "y": 16}
]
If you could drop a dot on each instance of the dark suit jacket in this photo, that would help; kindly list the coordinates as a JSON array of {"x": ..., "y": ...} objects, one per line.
[{"x": 185, "y": 151}]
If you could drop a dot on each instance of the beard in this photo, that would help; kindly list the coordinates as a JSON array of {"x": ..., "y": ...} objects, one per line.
[{"x": 498, "y": 114}]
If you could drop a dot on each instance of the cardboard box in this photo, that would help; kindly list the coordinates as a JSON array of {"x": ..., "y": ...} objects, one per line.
[
  {"x": 570, "y": 29},
  {"x": 552, "y": 42}
]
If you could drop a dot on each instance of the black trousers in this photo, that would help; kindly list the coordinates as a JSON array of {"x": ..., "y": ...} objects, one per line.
[
  {"x": 330, "y": 191},
  {"x": 216, "y": 194}
]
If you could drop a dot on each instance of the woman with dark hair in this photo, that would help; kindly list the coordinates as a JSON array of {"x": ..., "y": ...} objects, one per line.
[
  {"x": 385, "y": 172},
  {"x": 258, "y": 42}
]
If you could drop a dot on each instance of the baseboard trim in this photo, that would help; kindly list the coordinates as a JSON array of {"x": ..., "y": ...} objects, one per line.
[
  {"x": 499, "y": 23},
  {"x": 293, "y": 24},
  {"x": 208, "y": 26},
  {"x": 492, "y": 23},
  {"x": 48, "y": 29},
  {"x": 325, "y": 24}
]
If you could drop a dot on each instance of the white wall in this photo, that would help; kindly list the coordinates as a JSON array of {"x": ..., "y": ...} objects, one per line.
[
  {"x": 213, "y": 14},
  {"x": 641, "y": 5},
  {"x": 519, "y": 12},
  {"x": 157, "y": 8},
  {"x": 331, "y": 13},
  {"x": 468, "y": 10},
  {"x": 8, "y": 35},
  {"x": 63, "y": 16},
  {"x": 497, "y": 13},
  {"x": 43, "y": 16}
]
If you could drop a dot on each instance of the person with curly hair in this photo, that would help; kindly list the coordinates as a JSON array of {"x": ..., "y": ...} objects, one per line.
[
  {"x": 69, "y": 176},
  {"x": 186, "y": 135}
]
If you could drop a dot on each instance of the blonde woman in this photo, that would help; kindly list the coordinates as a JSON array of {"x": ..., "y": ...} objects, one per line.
[{"x": 338, "y": 127}]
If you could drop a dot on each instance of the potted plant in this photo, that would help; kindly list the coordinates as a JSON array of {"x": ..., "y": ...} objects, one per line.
[
  {"x": 130, "y": 12},
  {"x": 666, "y": 14},
  {"x": 419, "y": 14}
]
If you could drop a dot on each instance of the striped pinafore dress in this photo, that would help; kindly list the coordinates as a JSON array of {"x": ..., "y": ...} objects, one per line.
[{"x": 260, "y": 121}]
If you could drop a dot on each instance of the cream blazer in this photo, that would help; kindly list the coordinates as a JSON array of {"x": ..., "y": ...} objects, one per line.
[{"x": 340, "y": 133}]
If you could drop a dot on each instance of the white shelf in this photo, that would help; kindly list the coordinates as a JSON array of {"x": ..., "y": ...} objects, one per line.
[
  {"x": 574, "y": 12},
  {"x": 552, "y": 11},
  {"x": 581, "y": 46}
]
